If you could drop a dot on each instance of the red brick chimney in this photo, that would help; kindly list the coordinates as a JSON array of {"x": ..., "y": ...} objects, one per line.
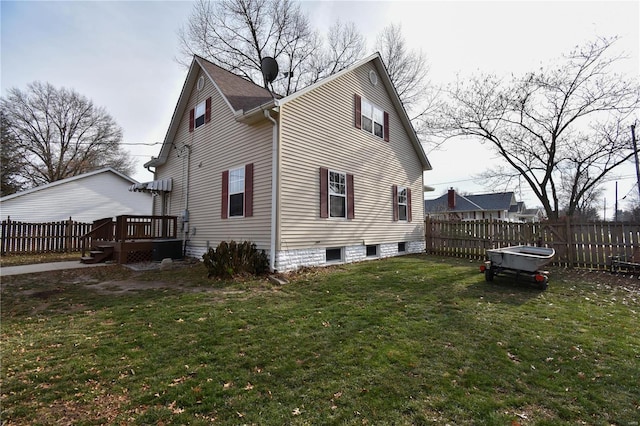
[{"x": 451, "y": 198}]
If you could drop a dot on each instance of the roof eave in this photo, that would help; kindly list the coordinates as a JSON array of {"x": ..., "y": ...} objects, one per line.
[
  {"x": 173, "y": 124},
  {"x": 256, "y": 114}
]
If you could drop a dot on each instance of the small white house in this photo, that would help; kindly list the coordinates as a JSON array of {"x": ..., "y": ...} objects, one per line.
[{"x": 84, "y": 198}]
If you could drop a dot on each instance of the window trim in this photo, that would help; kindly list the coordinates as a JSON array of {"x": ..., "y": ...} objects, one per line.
[
  {"x": 333, "y": 261},
  {"x": 207, "y": 114},
  {"x": 342, "y": 195},
  {"x": 405, "y": 204},
  {"x": 396, "y": 190},
  {"x": 377, "y": 251},
  {"x": 197, "y": 115},
  {"x": 325, "y": 195},
  {"x": 230, "y": 193},
  {"x": 247, "y": 193},
  {"x": 360, "y": 115}
]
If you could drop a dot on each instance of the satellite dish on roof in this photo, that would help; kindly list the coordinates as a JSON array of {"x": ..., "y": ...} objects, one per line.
[{"x": 269, "y": 68}]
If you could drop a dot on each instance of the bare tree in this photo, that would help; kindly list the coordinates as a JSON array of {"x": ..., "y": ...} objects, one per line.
[
  {"x": 407, "y": 69},
  {"x": 237, "y": 34},
  {"x": 10, "y": 160},
  {"x": 60, "y": 133},
  {"x": 562, "y": 129},
  {"x": 345, "y": 45}
]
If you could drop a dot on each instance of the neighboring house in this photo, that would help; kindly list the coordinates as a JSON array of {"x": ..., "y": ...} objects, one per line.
[
  {"x": 330, "y": 174},
  {"x": 84, "y": 198},
  {"x": 498, "y": 206}
]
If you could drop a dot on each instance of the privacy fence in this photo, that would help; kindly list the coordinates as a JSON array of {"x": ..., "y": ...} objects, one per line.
[
  {"x": 579, "y": 244},
  {"x": 32, "y": 238}
]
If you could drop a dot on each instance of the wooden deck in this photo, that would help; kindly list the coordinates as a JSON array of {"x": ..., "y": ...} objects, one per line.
[{"x": 129, "y": 239}]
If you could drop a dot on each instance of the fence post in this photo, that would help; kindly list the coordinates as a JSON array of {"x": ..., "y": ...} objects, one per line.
[
  {"x": 67, "y": 236},
  {"x": 6, "y": 225},
  {"x": 427, "y": 234},
  {"x": 570, "y": 248}
]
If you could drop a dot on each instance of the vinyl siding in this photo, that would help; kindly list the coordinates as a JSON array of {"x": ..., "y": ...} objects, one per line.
[
  {"x": 219, "y": 145},
  {"x": 87, "y": 199},
  {"x": 317, "y": 130}
]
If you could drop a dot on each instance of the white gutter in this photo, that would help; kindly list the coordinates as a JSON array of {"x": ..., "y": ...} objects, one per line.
[{"x": 274, "y": 192}]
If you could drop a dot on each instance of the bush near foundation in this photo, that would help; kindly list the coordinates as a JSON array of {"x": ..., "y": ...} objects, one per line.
[{"x": 231, "y": 258}]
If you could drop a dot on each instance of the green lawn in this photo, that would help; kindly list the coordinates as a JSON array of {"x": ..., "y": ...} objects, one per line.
[{"x": 410, "y": 340}]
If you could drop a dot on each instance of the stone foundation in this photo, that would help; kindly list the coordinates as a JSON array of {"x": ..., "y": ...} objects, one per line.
[{"x": 289, "y": 260}]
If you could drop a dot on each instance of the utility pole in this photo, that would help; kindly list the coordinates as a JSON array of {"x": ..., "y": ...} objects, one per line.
[{"x": 635, "y": 153}]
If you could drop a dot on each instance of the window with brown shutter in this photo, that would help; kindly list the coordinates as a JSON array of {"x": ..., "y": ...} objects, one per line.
[
  {"x": 350, "y": 197},
  {"x": 371, "y": 118},
  {"x": 224, "y": 210},
  {"x": 401, "y": 203},
  {"x": 248, "y": 190},
  {"x": 324, "y": 192},
  {"x": 336, "y": 194},
  {"x": 394, "y": 195},
  {"x": 237, "y": 192},
  {"x": 358, "y": 111},
  {"x": 207, "y": 112},
  {"x": 386, "y": 126},
  {"x": 192, "y": 121}
]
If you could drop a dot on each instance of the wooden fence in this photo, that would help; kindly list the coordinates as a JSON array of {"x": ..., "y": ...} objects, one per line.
[
  {"x": 32, "y": 238},
  {"x": 579, "y": 244}
]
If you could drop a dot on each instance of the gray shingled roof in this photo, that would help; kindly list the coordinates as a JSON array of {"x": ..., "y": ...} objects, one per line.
[
  {"x": 497, "y": 201},
  {"x": 242, "y": 94}
]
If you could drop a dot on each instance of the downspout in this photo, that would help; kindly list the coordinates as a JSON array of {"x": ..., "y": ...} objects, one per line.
[
  {"x": 185, "y": 213},
  {"x": 274, "y": 192},
  {"x": 153, "y": 203}
]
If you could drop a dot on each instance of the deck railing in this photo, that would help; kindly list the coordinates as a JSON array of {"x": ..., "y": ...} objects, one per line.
[
  {"x": 130, "y": 228},
  {"x": 146, "y": 227}
]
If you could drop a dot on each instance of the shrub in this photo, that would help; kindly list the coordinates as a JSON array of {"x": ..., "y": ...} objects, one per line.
[{"x": 232, "y": 258}]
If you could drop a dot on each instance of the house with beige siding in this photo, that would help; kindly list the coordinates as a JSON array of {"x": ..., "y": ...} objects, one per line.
[{"x": 330, "y": 174}]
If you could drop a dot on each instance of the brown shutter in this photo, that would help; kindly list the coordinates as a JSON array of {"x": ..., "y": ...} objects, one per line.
[
  {"x": 248, "y": 190},
  {"x": 386, "y": 126},
  {"x": 351, "y": 211},
  {"x": 207, "y": 111},
  {"x": 395, "y": 202},
  {"x": 324, "y": 192},
  {"x": 192, "y": 119},
  {"x": 358, "y": 111},
  {"x": 409, "y": 204},
  {"x": 224, "y": 211}
]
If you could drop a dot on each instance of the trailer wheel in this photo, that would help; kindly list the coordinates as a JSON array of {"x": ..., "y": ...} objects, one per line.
[
  {"x": 488, "y": 274},
  {"x": 544, "y": 284}
]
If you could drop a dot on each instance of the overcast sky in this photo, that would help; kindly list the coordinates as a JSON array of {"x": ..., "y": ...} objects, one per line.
[{"x": 121, "y": 55}]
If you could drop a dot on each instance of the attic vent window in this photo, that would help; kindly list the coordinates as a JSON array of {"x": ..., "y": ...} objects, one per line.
[
  {"x": 373, "y": 77},
  {"x": 200, "y": 83}
]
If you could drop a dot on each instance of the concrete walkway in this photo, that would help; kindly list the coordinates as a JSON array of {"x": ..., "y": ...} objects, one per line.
[{"x": 5, "y": 271}]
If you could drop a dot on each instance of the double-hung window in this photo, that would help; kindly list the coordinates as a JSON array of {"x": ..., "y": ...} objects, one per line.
[
  {"x": 336, "y": 194},
  {"x": 200, "y": 115},
  {"x": 237, "y": 192},
  {"x": 401, "y": 203},
  {"x": 371, "y": 118}
]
